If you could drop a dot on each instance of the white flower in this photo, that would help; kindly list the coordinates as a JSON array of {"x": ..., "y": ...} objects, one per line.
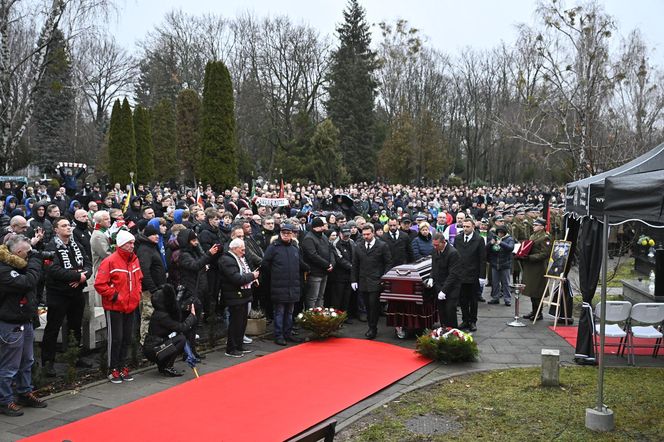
[
  {"x": 300, "y": 316},
  {"x": 334, "y": 315}
]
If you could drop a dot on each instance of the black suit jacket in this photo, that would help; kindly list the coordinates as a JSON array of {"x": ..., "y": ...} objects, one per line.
[
  {"x": 473, "y": 257},
  {"x": 370, "y": 265},
  {"x": 401, "y": 249},
  {"x": 446, "y": 272}
]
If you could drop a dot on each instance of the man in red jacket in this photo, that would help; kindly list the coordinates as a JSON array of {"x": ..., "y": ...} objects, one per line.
[{"x": 118, "y": 283}]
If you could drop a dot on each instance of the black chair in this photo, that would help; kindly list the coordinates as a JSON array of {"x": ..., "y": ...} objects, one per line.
[{"x": 323, "y": 431}]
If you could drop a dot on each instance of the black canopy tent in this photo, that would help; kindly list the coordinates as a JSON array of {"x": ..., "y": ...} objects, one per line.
[
  {"x": 586, "y": 197},
  {"x": 633, "y": 191}
]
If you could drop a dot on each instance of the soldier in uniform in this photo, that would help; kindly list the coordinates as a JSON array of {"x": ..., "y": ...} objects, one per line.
[
  {"x": 534, "y": 266},
  {"x": 519, "y": 233}
]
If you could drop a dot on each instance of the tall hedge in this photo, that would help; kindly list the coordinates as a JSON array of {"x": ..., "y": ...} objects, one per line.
[
  {"x": 188, "y": 121},
  {"x": 219, "y": 161},
  {"x": 164, "y": 141},
  {"x": 121, "y": 144}
]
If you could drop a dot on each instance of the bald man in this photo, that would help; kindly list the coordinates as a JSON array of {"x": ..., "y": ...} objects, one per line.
[
  {"x": 82, "y": 231},
  {"x": 18, "y": 225}
]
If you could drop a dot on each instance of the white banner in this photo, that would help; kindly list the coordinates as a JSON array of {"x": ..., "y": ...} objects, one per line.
[{"x": 271, "y": 202}]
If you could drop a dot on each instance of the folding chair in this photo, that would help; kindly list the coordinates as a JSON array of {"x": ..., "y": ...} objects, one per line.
[
  {"x": 616, "y": 312},
  {"x": 648, "y": 314}
]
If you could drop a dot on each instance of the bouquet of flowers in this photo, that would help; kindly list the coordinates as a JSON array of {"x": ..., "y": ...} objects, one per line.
[
  {"x": 321, "y": 321},
  {"x": 447, "y": 345},
  {"x": 646, "y": 241}
]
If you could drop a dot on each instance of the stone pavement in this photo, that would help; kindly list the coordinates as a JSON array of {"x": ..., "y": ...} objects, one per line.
[{"x": 501, "y": 347}]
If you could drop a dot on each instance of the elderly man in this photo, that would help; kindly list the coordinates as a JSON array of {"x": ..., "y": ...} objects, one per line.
[
  {"x": 284, "y": 262},
  {"x": 18, "y": 225},
  {"x": 19, "y": 277},
  {"x": 100, "y": 240},
  {"x": 236, "y": 292}
]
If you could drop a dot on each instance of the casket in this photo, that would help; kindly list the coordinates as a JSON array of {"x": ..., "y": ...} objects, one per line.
[{"x": 406, "y": 282}]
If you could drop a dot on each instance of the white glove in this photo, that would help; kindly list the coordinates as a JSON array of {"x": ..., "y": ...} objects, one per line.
[
  {"x": 428, "y": 283},
  {"x": 482, "y": 282},
  {"x": 353, "y": 285},
  {"x": 441, "y": 296}
]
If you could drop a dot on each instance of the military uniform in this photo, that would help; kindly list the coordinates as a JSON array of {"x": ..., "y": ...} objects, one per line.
[{"x": 534, "y": 267}]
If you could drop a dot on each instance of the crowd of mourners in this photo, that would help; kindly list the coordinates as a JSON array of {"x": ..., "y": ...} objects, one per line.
[{"x": 165, "y": 260}]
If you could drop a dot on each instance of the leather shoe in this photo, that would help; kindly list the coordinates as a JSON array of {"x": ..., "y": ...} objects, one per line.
[
  {"x": 493, "y": 302},
  {"x": 294, "y": 339},
  {"x": 463, "y": 326},
  {"x": 481, "y": 299},
  {"x": 472, "y": 327},
  {"x": 170, "y": 372},
  {"x": 371, "y": 334},
  {"x": 531, "y": 316},
  {"x": 280, "y": 341}
]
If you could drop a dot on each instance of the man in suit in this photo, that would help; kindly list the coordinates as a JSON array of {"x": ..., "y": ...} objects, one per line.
[
  {"x": 472, "y": 250},
  {"x": 370, "y": 262},
  {"x": 445, "y": 279},
  {"x": 401, "y": 248}
]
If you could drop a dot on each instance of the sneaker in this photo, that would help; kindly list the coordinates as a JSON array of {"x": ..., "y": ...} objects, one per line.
[
  {"x": 280, "y": 341},
  {"x": 115, "y": 377},
  {"x": 234, "y": 354},
  {"x": 244, "y": 351},
  {"x": 247, "y": 340},
  {"x": 30, "y": 400},
  {"x": 400, "y": 332},
  {"x": 170, "y": 372},
  {"x": 11, "y": 409},
  {"x": 507, "y": 303},
  {"x": 125, "y": 375},
  {"x": 294, "y": 339}
]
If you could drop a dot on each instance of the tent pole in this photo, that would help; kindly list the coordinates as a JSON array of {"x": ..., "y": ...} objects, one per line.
[{"x": 602, "y": 319}]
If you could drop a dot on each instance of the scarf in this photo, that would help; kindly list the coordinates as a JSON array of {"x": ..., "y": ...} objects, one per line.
[
  {"x": 63, "y": 250},
  {"x": 244, "y": 268}
]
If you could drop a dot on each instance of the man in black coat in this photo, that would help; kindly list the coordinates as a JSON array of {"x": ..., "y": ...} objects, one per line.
[
  {"x": 344, "y": 248},
  {"x": 472, "y": 250},
  {"x": 82, "y": 232},
  {"x": 237, "y": 279},
  {"x": 283, "y": 261},
  {"x": 66, "y": 278},
  {"x": 319, "y": 257},
  {"x": 371, "y": 261},
  {"x": 445, "y": 276},
  {"x": 401, "y": 246},
  {"x": 209, "y": 235},
  {"x": 154, "y": 273}
]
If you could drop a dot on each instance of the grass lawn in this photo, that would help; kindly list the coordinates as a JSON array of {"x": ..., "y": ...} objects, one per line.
[
  {"x": 510, "y": 405},
  {"x": 625, "y": 270}
]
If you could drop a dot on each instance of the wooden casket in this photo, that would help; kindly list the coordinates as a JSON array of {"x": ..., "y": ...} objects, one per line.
[{"x": 404, "y": 292}]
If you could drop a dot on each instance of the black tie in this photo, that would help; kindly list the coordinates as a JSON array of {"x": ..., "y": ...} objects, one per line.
[
  {"x": 394, "y": 235},
  {"x": 367, "y": 246},
  {"x": 467, "y": 238}
]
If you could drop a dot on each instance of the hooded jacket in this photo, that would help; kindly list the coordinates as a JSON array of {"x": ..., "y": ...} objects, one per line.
[
  {"x": 166, "y": 317},
  {"x": 118, "y": 282},
  {"x": 154, "y": 273},
  {"x": 42, "y": 222},
  {"x": 18, "y": 282},
  {"x": 192, "y": 264}
]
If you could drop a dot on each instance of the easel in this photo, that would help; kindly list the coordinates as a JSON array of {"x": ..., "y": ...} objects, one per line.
[{"x": 554, "y": 294}]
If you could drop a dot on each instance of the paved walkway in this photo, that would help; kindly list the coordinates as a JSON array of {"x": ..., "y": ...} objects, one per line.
[{"x": 501, "y": 347}]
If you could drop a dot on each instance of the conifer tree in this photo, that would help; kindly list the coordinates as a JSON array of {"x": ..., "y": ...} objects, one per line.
[
  {"x": 129, "y": 141},
  {"x": 188, "y": 109},
  {"x": 218, "y": 165},
  {"x": 164, "y": 141},
  {"x": 116, "y": 170},
  {"x": 326, "y": 159},
  {"x": 352, "y": 91},
  {"x": 144, "y": 147},
  {"x": 54, "y": 106}
]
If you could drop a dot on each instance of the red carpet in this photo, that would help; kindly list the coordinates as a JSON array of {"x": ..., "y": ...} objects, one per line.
[
  {"x": 569, "y": 334},
  {"x": 270, "y": 398}
]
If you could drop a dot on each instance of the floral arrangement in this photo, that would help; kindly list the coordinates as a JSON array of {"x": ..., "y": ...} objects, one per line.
[
  {"x": 646, "y": 241},
  {"x": 321, "y": 321},
  {"x": 447, "y": 345}
]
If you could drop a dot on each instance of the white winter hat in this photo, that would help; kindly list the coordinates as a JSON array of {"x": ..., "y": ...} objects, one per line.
[{"x": 123, "y": 237}]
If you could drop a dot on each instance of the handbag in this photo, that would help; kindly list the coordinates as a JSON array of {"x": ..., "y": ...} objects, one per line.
[
  {"x": 165, "y": 351},
  {"x": 524, "y": 250}
]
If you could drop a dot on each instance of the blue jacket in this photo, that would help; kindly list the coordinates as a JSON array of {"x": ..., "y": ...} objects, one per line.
[
  {"x": 282, "y": 261},
  {"x": 501, "y": 258},
  {"x": 422, "y": 247}
]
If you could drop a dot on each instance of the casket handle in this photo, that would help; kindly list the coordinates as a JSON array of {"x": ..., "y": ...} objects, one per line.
[{"x": 399, "y": 272}]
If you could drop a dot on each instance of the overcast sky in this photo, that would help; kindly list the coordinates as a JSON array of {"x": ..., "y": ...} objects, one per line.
[{"x": 449, "y": 24}]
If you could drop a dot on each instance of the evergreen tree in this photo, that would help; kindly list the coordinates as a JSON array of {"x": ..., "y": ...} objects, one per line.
[
  {"x": 144, "y": 147},
  {"x": 54, "y": 106},
  {"x": 117, "y": 172},
  {"x": 295, "y": 161},
  {"x": 394, "y": 162},
  {"x": 352, "y": 90},
  {"x": 164, "y": 141},
  {"x": 158, "y": 78},
  {"x": 325, "y": 156},
  {"x": 129, "y": 140},
  {"x": 188, "y": 125},
  {"x": 218, "y": 151}
]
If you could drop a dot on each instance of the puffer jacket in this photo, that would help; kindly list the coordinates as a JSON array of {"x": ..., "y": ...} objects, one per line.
[
  {"x": 166, "y": 317},
  {"x": 192, "y": 265},
  {"x": 119, "y": 281},
  {"x": 18, "y": 282}
]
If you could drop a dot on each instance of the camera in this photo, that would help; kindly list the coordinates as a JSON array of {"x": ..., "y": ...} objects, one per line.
[{"x": 43, "y": 254}]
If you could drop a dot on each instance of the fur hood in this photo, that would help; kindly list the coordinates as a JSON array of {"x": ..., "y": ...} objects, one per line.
[{"x": 6, "y": 257}]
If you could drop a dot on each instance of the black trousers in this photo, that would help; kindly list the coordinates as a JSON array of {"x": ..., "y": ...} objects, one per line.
[
  {"x": 468, "y": 301},
  {"x": 341, "y": 292},
  {"x": 372, "y": 301},
  {"x": 59, "y": 307},
  {"x": 120, "y": 335},
  {"x": 237, "y": 324},
  {"x": 447, "y": 312}
]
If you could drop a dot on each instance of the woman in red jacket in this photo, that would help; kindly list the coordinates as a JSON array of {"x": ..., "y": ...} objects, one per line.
[{"x": 118, "y": 283}]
